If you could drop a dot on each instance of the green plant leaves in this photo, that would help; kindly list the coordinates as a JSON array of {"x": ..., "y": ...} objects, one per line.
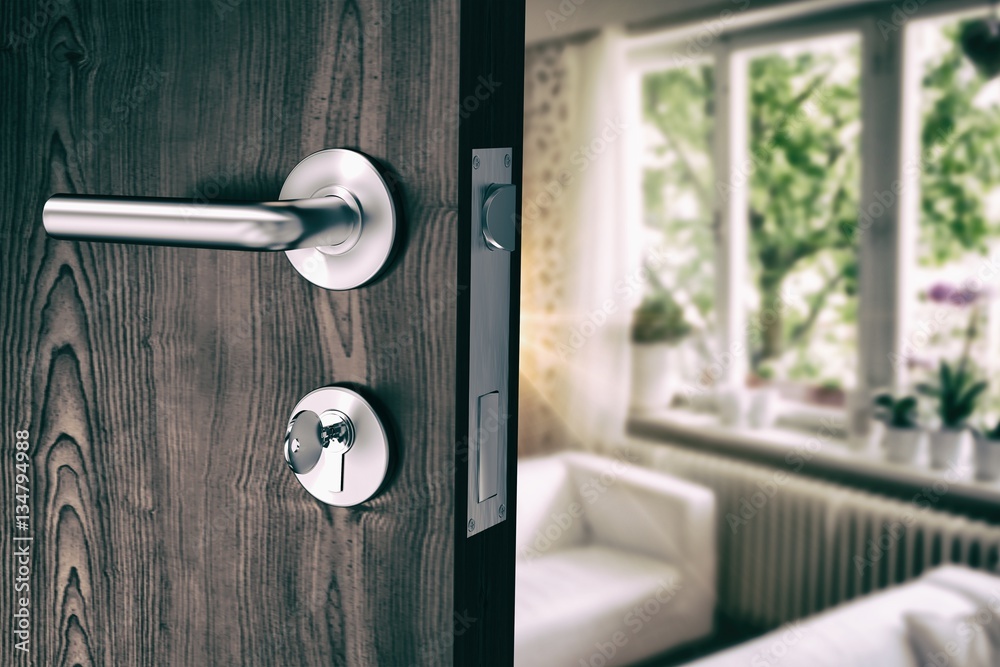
[
  {"x": 659, "y": 319},
  {"x": 956, "y": 393},
  {"x": 897, "y": 413}
]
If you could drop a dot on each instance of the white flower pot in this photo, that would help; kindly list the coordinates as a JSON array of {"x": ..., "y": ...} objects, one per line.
[
  {"x": 902, "y": 444},
  {"x": 763, "y": 407},
  {"x": 860, "y": 420},
  {"x": 653, "y": 387},
  {"x": 987, "y": 458},
  {"x": 946, "y": 446},
  {"x": 733, "y": 404}
]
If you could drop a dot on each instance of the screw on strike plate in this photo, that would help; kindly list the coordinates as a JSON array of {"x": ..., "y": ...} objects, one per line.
[
  {"x": 503, "y": 511},
  {"x": 506, "y": 160},
  {"x": 475, "y": 165},
  {"x": 472, "y": 525}
]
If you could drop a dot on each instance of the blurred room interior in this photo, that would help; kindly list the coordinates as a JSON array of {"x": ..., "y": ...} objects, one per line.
[{"x": 760, "y": 334}]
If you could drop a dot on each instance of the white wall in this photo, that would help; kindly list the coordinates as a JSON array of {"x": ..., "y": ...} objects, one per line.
[{"x": 556, "y": 19}]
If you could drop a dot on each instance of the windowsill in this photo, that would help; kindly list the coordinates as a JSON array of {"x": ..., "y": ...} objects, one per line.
[{"x": 825, "y": 454}]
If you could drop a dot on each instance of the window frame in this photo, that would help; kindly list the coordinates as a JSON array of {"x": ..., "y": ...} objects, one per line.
[{"x": 890, "y": 124}]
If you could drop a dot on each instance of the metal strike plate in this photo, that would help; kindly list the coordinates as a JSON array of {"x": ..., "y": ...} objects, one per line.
[
  {"x": 337, "y": 447},
  {"x": 493, "y": 239}
]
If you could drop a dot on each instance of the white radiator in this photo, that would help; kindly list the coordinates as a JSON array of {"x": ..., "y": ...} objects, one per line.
[{"x": 790, "y": 546}]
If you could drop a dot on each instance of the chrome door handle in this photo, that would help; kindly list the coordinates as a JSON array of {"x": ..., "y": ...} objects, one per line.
[
  {"x": 336, "y": 220},
  {"x": 300, "y": 223}
]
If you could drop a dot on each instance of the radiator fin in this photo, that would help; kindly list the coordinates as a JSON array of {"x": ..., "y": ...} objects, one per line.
[{"x": 790, "y": 546}]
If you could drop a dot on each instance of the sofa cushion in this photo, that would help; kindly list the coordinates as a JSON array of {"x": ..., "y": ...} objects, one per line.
[{"x": 592, "y": 599}]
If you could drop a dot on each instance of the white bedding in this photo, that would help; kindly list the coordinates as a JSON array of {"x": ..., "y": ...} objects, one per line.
[{"x": 870, "y": 631}]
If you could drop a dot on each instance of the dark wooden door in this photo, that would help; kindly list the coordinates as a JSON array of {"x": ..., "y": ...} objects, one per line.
[{"x": 153, "y": 384}]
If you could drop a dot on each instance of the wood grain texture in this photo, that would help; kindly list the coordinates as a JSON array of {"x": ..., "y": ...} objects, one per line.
[{"x": 156, "y": 382}]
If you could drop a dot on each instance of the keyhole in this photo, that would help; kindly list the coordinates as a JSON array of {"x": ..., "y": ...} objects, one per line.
[
  {"x": 337, "y": 431},
  {"x": 337, "y": 436}
]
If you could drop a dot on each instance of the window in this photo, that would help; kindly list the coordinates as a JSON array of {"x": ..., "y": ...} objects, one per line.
[
  {"x": 952, "y": 286},
  {"x": 678, "y": 179},
  {"x": 851, "y": 238},
  {"x": 803, "y": 113},
  {"x": 796, "y": 295}
]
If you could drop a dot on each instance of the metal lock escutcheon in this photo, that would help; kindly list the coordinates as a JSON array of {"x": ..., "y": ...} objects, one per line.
[{"x": 337, "y": 446}]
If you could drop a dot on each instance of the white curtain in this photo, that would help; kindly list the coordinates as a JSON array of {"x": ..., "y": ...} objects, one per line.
[{"x": 578, "y": 254}]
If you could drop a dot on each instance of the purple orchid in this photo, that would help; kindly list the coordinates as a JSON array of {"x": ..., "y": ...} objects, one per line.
[
  {"x": 940, "y": 292},
  {"x": 957, "y": 296}
]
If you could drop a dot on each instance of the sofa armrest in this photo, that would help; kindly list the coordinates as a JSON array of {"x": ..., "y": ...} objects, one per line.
[
  {"x": 546, "y": 502},
  {"x": 651, "y": 513}
]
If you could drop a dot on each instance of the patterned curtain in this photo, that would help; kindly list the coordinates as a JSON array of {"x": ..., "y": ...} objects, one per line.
[
  {"x": 574, "y": 375},
  {"x": 549, "y": 118}
]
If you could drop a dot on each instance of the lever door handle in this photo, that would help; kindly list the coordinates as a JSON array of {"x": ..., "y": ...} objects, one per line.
[
  {"x": 336, "y": 220},
  {"x": 301, "y": 223}
]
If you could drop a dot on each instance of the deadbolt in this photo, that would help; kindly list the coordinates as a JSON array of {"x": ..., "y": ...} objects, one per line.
[
  {"x": 499, "y": 208},
  {"x": 337, "y": 446}
]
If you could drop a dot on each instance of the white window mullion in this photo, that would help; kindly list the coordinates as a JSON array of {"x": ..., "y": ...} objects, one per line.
[
  {"x": 732, "y": 185},
  {"x": 884, "y": 195},
  {"x": 908, "y": 218}
]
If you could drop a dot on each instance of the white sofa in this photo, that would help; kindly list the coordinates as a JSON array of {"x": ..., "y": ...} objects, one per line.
[
  {"x": 872, "y": 630},
  {"x": 615, "y": 563}
]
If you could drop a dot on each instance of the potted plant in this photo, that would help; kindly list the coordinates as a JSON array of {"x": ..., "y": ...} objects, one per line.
[
  {"x": 902, "y": 431},
  {"x": 658, "y": 324},
  {"x": 988, "y": 453},
  {"x": 763, "y": 398},
  {"x": 956, "y": 393},
  {"x": 828, "y": 392}
]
